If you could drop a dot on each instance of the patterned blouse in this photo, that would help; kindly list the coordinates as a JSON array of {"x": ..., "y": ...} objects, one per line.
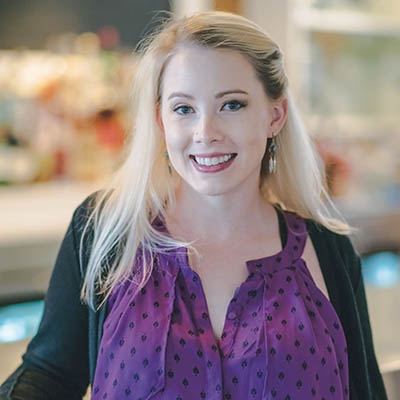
[{"x": 282, "y": 338}]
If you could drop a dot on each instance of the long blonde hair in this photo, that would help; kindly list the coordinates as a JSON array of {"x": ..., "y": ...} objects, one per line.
[{"x": 122, "y": 215}]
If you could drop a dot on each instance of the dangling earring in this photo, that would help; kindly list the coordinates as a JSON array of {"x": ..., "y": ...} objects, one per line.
[
  {"x": 272, "y": 150},
  {"x": 166, "y": 155}
]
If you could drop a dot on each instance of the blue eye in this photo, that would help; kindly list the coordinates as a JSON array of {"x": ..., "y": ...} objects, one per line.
[
  {"x": 233, "y": 105},
  {"x": 183, "y": 110}
]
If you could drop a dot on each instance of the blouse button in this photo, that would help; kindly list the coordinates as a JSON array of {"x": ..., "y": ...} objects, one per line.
[{"x": 232, "y": 315}]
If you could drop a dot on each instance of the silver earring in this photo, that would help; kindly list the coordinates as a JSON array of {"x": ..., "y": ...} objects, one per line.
[
  {"x": 166, "y": 155},
  {"x": 272, "y": 150}
]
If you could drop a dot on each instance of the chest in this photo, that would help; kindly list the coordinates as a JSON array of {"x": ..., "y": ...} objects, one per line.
[
  {"x": 222, "y": 271},
  {"x": 166, "y": 335}
]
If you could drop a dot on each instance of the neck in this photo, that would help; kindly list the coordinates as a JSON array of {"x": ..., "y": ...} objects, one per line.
[{"x": 219, "y": 218}]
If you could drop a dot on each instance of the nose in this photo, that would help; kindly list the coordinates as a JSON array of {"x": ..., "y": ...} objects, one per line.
[{"x": 207, "y": 129}]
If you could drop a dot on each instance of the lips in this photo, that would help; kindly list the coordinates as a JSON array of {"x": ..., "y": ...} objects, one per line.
[{"x": 212, "y": 162}]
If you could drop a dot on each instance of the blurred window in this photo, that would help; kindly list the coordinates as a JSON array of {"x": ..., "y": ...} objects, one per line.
[{"x": 20, "y": 321}]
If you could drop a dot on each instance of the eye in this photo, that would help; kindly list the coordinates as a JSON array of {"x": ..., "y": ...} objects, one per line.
[
  {"x": 234, "y": 105},
  {"x": 183, "y": 110}
]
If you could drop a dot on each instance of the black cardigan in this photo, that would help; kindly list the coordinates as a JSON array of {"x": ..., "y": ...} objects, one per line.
[{"x": 60, "y": 360}]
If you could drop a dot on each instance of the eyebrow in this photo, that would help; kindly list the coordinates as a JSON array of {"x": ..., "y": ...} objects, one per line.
[
  {"x": 217, "y": 96},
  {"x": 180, "y": 94},
  {"x": 226, "y": 92}
]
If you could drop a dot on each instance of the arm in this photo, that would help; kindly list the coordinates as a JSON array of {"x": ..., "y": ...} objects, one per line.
[
  {"x": 55, "y": 365},
  {"x": 374, "y": 375}
]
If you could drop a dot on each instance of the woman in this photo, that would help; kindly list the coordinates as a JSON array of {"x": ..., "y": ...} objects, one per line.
[{"x": 212, "y": 268}]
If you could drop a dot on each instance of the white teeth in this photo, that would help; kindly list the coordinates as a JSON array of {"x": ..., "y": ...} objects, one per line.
[{"x": 208, "y": 161}]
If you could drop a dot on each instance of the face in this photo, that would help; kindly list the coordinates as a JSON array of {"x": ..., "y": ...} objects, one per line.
[{"x": 216, "y": 119}]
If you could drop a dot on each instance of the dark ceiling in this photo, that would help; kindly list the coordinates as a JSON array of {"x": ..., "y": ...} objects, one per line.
[{"x": 27, "y": 23}]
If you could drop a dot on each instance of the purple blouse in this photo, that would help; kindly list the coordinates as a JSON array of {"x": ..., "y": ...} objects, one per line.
[{"x": 282, "y": 338}]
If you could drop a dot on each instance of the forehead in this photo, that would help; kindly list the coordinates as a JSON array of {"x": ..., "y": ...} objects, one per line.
[{"x": 194, "y": 67}]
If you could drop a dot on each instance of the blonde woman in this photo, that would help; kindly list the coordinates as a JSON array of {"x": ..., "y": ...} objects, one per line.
[{"x": 211, "y": 268}]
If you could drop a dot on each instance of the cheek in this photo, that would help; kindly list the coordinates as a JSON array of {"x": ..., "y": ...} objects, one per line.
[
  {"x": 169, "y": 130},
  {"x": 172, "y": 137},
  {"x": 256, "y": 126},
  {"x": 256, "y": 140},
  {"x": 175, "y": 142},
  {"x": 176, "y": 134},
  {"x": 256, "y": 134}
]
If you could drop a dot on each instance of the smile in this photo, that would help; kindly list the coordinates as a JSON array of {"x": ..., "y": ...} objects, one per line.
[{"x": 210, "y": 161}]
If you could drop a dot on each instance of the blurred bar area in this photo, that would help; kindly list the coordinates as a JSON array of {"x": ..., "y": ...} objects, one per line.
[{"x": 65, "y": 75}]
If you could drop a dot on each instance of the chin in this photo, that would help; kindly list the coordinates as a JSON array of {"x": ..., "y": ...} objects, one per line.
[{"x": 211, "y": 190}]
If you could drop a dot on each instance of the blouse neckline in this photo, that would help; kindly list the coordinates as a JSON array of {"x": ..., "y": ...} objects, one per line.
[{"x": 292, "y": 232}]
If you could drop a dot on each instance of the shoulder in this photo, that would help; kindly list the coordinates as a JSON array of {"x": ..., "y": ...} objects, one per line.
[
  {"x": 320, "y": 234},
  {"x": 335, "y": 249},
  {"x": 81, "y": 228},
  {"x": 84, "y": 211}
]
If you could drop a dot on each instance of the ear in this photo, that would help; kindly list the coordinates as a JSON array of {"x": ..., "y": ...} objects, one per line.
[
  {"x": 279, "y": 115},
  {"x": 159, "y": 118}
]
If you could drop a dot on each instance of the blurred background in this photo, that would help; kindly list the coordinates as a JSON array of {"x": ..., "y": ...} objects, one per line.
[{"x": 65, "y": 74}]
